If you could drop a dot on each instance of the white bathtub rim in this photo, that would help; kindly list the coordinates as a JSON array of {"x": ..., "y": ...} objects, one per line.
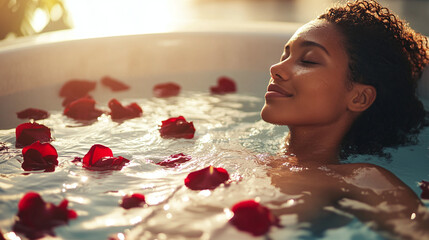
[{"x": 186, "y": 27}]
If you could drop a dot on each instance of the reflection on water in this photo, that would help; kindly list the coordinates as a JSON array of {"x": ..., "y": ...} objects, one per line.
[
  {"x": 25, "y": 17},
  {"x": 94, "y": 195}
]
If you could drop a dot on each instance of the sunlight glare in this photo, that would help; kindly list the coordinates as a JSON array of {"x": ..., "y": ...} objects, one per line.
[
  {"x": 228, "y": 213},
  {"x": 84, "y": 179},
  {"x": 56, "y": 12},
  {"x": 205, "y": 193},
  {"x": 127, "y": 16},
  {"x": 40, "y": 20},
  {"x": 12, "y": 236},
  {"x": 135, "y": 220},
  {"x": 79, "y": 200},
  {"x": 120, "y": 236}
]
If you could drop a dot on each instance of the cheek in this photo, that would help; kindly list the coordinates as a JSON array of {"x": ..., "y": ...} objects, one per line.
[
  {"x": 329, "y": 91},
  {"x": 315, "y": 108},
  {"x": 328, "y": 102}
]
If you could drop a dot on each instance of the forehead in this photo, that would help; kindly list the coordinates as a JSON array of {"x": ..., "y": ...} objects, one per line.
[{"x": 322, "y": 32}]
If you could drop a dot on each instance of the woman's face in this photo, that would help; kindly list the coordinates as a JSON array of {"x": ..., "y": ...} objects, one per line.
[{"x": 309, "y": 84}]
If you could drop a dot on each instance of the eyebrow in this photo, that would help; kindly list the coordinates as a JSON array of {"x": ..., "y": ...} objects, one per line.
[
  {"x": 314, "y": 44},
  {"x": 311, "y": 44}
]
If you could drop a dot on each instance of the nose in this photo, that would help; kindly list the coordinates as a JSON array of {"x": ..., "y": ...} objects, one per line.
[{"x": 278, "y": 72}]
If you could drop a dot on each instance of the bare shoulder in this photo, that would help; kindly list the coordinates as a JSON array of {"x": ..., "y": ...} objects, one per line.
[
  {"x": 350, "y": 169},
  {"x": 369, "y": 176},
  {"x": 376, "y": 195}
]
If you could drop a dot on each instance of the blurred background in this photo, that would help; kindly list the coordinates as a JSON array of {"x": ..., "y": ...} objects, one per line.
[{"x": 29, "y": 17}]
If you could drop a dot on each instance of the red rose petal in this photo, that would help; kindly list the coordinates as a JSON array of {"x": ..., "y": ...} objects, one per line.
[
  {"x": 82, "y": 109},
  {"x": 177, "y": 128},
  {"x": 224, "y": 85},
  {"x": 206, "y": 178},
  {"x": 252, "y": 217},
  {"x": 114, "y": 84},
  {"x": 35, "y": 217},
  {"x": 135, "y": 200},
  {"x": 164, "y": 90},
  {"x": 120, "y": 112},
  {"x": 424, "y": 185},
  {"x": 38, "y": 156},
  {"x": 33, "y": 113},
  {"x": 69, "y": 100},
  {"x": 100, "y": 157},
  {"x": 174, "y": 160},
  {"x": 77, "y": 88},
  {"x": 28, "y": 133},
  {"x": 71, "y": 214},
  {"x": 95, "y": 153},
  {"x": 108, "y": 163},
  {"x": 29, "y": 201}
]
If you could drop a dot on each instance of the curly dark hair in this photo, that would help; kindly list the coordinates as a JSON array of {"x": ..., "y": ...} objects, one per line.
[{"x": 386, "y": 53}]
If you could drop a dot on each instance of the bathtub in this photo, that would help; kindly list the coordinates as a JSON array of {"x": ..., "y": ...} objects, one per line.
[
  {"x": 53, "y": 58},
  {"x": 194, "y": 54},
  {"x": 35, "y": 62}
]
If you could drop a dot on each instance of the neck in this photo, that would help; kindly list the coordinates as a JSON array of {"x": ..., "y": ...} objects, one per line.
[{"x": 313, "y": 146}]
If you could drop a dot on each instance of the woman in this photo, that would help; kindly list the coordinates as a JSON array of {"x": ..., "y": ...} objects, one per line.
[{"x": 346, "y": 84}]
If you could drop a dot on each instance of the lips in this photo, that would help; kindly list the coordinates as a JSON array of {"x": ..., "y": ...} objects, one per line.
[{"x": 275, "y": 90}]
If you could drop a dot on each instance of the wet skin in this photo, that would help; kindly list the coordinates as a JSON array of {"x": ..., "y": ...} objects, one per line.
[
  {"x": 309, "y": 92},
  {"x": 329, "y": 196}
]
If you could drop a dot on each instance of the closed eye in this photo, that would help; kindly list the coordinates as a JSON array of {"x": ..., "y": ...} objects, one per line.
[{"x": 309, "y": 62}]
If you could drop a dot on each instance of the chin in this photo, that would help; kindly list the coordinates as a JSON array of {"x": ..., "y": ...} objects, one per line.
[{"x": 270, "y": 116}]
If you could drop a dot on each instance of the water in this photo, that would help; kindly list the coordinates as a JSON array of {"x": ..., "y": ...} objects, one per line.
[{"x": 229, "y": 134}]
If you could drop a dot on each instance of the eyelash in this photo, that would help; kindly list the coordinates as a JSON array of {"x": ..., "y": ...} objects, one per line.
[
  {"x": 305, "y": 62},
  {"x": 309, "y": 62}
]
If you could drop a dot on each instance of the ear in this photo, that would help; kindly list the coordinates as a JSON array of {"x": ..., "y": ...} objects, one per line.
[{"x": 362, "y": 97}]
